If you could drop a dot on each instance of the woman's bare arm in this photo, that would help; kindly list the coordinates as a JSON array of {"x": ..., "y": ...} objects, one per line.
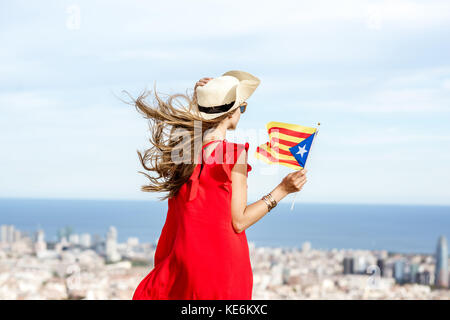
[{"x": 243, "y": 215}]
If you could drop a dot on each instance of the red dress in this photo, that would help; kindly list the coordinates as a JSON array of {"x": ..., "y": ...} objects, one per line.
[{"x": 199, "y": 255}]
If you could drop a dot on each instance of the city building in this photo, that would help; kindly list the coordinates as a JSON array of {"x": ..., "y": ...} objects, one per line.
[
  {"x": 112, "y": 255},
  {"x": 68, "y": 271},
  {"x": 74, "y": 239},
  {"x": 441, "y": 270},
  {"x": 40, "y": 246},
  {"x": 399, "y": 271},
  {"x": 3, "y": 233},
  {"x": 348, "y": 265},
  {"x": 413, "y": 273},
  {"x": 381, "y": 266},
  {"x": 424, "y": 278},
  {"x": 360, "y": 265},
  {"x": 8, "y": 234},
  {"x": 85, "y": 240}
]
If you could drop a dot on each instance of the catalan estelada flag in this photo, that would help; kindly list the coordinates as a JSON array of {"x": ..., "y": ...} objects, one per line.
[{"x": 289, "y": 144}]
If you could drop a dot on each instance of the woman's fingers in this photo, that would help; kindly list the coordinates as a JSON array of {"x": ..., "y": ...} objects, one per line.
[
  {"x": 294, "y": 181},
  {"x": 300, "y": 182},
  {"x": 205, "y": 79},
  {"x": 300, "y": 173},
  {"x": 300, "y": 185},
  {"x": 202, "y": 82},
  {"x": 300, "y": 179}
]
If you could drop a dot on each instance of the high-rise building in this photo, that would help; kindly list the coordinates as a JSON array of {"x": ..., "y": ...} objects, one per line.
[
  {"x": 360, "y": 265},
  {"x": 112, "y": 255},
  {"x": 40, "y": 236},
  {"x": 441, "y": 270},
  {"x": 399, "y": 275},
  {"x": 348, "y": 265},
  {"x": 424, "y": 278},
  {"x": 40, "y": 245},
  {"x": 380, "y": 264},
  {"x": 74, "y": 238},
  {"x": 413, "y": 273},
  {"x": 3, "y": 233},
  {"x": 17, "y": 235},
  {"x": 97, "y": 243},
  {"x": 85, "y": 240},
  {"x": 9, "y": 234}
]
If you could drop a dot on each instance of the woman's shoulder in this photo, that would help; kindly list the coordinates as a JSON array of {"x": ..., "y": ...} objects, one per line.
[
  {"x": 234, "y": 149},
  {"x": 236, "y": 145},
  {"x": 233, "y": 153}
]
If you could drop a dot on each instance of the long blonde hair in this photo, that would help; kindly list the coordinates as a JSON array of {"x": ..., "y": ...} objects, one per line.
[{"x": 164, "y": 120}]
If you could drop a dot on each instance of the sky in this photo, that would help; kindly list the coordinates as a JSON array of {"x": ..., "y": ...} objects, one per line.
[{"x": 375, "y": 74}]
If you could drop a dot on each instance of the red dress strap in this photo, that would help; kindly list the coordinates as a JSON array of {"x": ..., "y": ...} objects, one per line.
[
  {"x": 211, "y": 142},
  {"x": 231, "y": 154},
  {"x": 193, "y": 181}
]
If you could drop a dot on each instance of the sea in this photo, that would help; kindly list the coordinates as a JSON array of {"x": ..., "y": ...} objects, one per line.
[{"x": 395, "y": 228}]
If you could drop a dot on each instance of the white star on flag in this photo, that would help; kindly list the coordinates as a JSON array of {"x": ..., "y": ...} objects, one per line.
[{"x": 301, "y": 150}]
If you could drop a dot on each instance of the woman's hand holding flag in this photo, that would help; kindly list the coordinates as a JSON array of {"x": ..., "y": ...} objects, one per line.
[{"x": 288, "y": 145}]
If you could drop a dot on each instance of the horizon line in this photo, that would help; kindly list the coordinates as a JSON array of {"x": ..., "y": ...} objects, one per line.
[{"x": 281, "y": 203}]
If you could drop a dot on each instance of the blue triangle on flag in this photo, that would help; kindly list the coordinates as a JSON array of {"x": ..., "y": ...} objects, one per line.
[{"x": 301, "y": 150}]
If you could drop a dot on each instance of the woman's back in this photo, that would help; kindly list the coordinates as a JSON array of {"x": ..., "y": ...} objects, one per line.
[{"x": 199, "y": 255}]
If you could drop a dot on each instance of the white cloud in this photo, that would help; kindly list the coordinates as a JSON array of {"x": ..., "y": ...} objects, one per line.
[
  {"x": 416, "y": 90},
  {"x": 411, "y": 13},
  {"x": 397, "y": 137},
  {"x": 446, "y": 84},
  {"x": 407, "y": 100}
]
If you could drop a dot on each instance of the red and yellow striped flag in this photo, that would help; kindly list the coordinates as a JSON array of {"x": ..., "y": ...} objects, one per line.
[{"x": 283, "y": 136}]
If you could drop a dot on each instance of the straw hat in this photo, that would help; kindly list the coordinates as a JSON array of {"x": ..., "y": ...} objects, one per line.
[{"x": 225, "y": 93}]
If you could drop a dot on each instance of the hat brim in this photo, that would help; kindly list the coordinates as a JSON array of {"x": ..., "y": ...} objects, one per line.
[{"x": 247, "y": 85}]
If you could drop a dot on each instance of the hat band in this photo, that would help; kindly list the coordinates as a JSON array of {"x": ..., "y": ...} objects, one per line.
[{"x": 216, "y": 109}]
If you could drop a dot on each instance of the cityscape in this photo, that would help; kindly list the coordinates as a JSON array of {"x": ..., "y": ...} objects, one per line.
[{"x": 82, "y": 266}]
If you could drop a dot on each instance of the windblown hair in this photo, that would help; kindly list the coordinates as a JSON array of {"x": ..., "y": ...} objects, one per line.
[{"x": 172, "y": 131}]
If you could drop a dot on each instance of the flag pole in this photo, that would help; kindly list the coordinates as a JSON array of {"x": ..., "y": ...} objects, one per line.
[{"x": 315, "y": 136}]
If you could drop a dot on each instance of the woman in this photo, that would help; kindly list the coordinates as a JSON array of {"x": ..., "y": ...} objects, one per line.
[{"x": 202, "y": 252}]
